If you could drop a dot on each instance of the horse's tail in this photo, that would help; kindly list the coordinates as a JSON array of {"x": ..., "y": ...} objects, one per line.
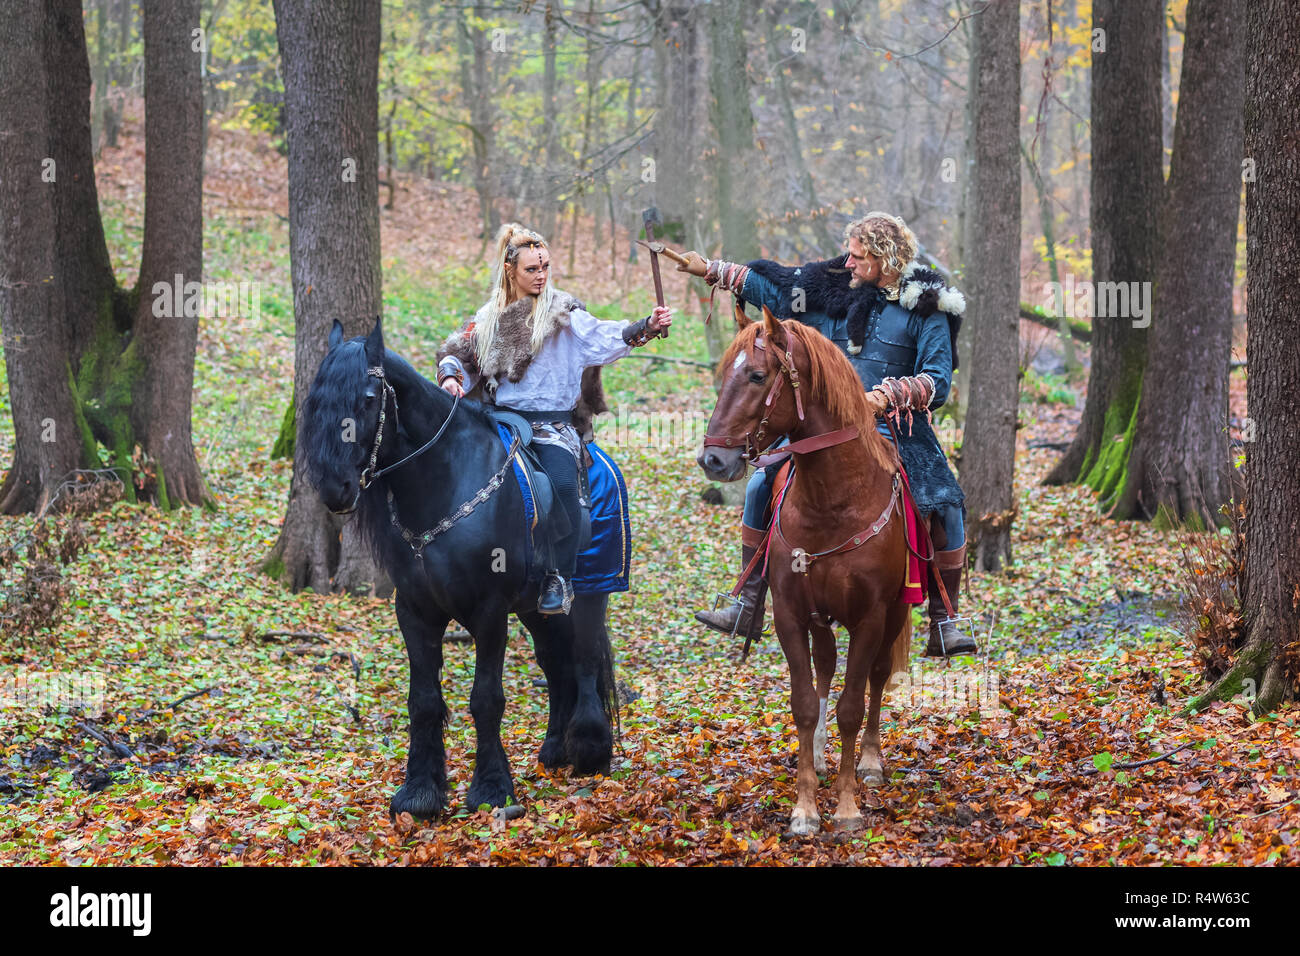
[
  {"x": 900, "y": 656},
  {"x": 607, "y": 687}
]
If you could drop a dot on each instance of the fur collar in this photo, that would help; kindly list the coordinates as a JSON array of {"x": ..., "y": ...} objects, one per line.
[
  {"x": 511, "y": 354},
  {"x": 824, "y": 287}
]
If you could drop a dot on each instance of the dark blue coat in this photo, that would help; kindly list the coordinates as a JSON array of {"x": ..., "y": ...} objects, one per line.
[{"x": 892, "y": 333}]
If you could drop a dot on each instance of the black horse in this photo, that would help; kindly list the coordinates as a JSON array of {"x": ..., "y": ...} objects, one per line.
[{"x": 367, "y": 411}]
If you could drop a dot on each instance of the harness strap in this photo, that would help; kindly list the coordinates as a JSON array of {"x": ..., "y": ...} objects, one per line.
[{"x": 810, "y": 444}]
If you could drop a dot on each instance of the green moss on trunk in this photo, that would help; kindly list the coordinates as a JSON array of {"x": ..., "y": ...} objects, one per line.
[
  {"x": 1108, "y": 473},
  {"x": 104, "y": 391},
  {"x": 284, "y": 444}
]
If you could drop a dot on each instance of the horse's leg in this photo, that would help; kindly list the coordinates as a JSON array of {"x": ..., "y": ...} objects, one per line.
[
  {"x": 424, "y": 792},
  {"x": 589, "y": 738},
  {"x": 487, "y": 702},
  {"x": 803, "y": 705},
  {"x": 864, "y": 639},
  {"x": 871, "y": 766},
  {"x": 823, "y": 643},
  {"x": 553, "y": 644}
]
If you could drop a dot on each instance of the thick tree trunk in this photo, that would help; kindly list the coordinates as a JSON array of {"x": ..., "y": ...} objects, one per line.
[
  {"x": 330, "y": 60},
  {"x": 1127, "y": 186},
  {"x": 989, "y": 442},
  {"x": 677, "y": 56},
  {"x": 173, "y": 246},
  {"x": 1179, "y": 470},
  {"x": 475, "y": 82},
  {"x": 1270, "y": 599},
  {"x": 49, "y": 443}
]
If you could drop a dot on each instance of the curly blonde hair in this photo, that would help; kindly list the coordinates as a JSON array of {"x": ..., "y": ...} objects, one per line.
[
  {"x": 889, "y": 238},
  {"x": 512, "y": 238}
]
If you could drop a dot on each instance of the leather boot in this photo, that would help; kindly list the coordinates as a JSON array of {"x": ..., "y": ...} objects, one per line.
[
  {"x": 946, "y": 640},
  {"x": 746, "y": 618},
  {"x": 556, "y": 595}
]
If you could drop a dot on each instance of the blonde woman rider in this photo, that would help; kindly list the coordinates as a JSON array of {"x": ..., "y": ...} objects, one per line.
[{"x": 526, "y": 350}]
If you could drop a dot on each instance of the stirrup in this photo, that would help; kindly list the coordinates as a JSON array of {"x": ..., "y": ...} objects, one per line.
[
  {"x": 736, "y": 601},
  {"x": 566, "y": 596},
  {"x": 963, "y": 625}
]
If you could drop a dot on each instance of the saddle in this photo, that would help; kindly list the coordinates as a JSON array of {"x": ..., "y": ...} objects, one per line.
[{"x": 535, "y": 483}]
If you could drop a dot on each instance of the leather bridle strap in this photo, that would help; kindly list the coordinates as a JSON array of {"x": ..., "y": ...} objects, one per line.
[
  {"x": 810, "y": 444},
  {"x": 368, "y": 474}
]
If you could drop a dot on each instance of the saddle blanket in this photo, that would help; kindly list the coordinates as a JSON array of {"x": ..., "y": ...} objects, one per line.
[{"x": 603, "y": 567}]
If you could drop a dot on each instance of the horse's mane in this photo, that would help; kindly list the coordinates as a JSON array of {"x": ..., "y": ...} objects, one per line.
[{"x": 832, "y": 383}]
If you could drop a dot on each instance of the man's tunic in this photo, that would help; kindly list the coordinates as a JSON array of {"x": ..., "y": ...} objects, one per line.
[{"x": 899, "y": 342}]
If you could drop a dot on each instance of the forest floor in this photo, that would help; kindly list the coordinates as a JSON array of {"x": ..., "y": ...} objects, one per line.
[{"x": 240, "y": 724}]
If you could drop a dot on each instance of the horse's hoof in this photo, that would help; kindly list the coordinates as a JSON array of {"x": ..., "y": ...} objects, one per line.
[
  {"x": 496, "y": 794},
  {"x": 803, "y": 823},
  {"x": 423, "y": 802},
  {"x": 871, "y": 776},
  {"x": 552, "y": 755},
  {"x": 589, "y": 752},
  {"x": 848, "y": 824},
  {"x": 819, "y": 766}
]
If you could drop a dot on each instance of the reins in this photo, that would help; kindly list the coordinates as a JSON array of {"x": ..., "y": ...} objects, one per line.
[
  {"x": 418, "y": 542},
  {"x": 368, "y": 474}
]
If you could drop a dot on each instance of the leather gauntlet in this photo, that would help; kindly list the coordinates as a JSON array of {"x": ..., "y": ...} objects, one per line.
[
  {"x": 730, "y": 275},
  {"x": 637, "y": 334}
]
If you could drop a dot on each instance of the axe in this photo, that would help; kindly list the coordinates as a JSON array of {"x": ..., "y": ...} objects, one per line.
[{"x": 650, "y": 218}]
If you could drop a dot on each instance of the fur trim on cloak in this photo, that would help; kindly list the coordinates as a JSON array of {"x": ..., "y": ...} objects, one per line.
[
  {"x": 511, "y": 353},
  {"x": 825, "y": 288}
]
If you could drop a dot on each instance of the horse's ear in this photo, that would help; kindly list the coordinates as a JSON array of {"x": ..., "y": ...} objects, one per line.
[
  {"x": 742, "y": 317},
  {"x": 336, "y": 333},
  {"x": 773, "y": 329},
  {"x": 375, "y": 344}
]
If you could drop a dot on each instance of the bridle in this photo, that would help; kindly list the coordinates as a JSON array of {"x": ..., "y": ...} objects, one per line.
[
  {"x": 368, "y": 473},
  {"x": 418, "y": 541},
  {"x": 752, "y": 440}
]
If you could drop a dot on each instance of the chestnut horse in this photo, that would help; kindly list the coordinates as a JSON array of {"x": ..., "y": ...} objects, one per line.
[{"x": 838, "y": 550}]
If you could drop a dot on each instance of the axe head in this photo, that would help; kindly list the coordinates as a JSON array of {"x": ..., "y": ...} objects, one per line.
[{"x": 650, "y": 219}]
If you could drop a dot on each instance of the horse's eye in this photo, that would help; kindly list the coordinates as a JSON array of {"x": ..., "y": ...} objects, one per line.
[{"x": 758, "y": 378}]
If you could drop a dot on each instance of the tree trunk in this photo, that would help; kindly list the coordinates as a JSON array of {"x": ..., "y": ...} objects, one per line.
[
  {"x": 545, "y": 215},
  {"x": 1270, "y": 594},
  {"x": 1179, "y": 470},
  {"x": 330, "y": 60},
  {"x": 1127, "y": 186},
  {"x": 110, "y": 371},
  {"x": 173, "y": 247},
  {"x": 989, "y": 442},
  {"x": 476, "y": 87},
  {"x": 677, "y": 53},
  {"x": 49, "y": 443}
]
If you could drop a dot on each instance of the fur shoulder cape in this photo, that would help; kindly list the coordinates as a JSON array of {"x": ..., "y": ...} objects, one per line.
[
  {"x": 511, "y": 353},
  {"x": 825, "y": 288}
]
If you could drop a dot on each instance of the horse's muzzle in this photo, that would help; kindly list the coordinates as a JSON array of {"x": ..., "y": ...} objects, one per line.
[{"x": 722, "y": 464}]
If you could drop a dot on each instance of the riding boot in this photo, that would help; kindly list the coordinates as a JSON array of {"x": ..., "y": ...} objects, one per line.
[
  {"x": 946, "y": 639},
  {"x": 556, "y": 596},
  {"x": 745, "y": 616}
]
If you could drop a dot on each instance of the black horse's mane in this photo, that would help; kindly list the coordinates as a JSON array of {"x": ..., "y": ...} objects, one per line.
[{"x": 342, "y": 378}]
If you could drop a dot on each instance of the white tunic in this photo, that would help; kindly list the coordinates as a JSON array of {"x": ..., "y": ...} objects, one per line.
[{"x": 553, "y": 379}]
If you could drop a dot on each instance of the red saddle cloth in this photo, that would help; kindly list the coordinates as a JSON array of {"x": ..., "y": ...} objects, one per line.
[{"x": 914, "y": 583}]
